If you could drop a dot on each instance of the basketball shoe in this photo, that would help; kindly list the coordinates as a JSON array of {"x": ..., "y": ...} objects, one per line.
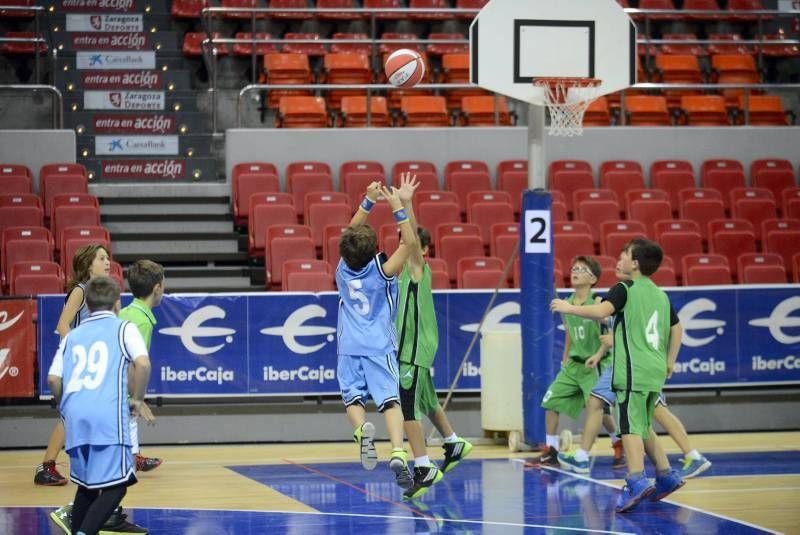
[
  {"x": 634, "y": 491},
  {"x": 454, "y": 453},
  {"x": 424, "y": 478},
  {"x": 145, "y": 464},
  {"x": 549, "y": 458},
  {"x": 47, "y": 475},
  {"x": 398, "y": 463},
  {"x": 364, "y": 437},
  {"x": 694, "y": 467},
  {"x": 568, "y": 461},
  {"x": 666, "y": 484},
  {"x": 116, "y": 523},
  {"x": 619, "y": 461}
]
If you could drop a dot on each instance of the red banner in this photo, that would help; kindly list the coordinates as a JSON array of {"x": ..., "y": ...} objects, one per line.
[
  {"x": 144, "y": 169},
  {"x": 122, "y": 80},
  {"x": 17, "y": 347}
]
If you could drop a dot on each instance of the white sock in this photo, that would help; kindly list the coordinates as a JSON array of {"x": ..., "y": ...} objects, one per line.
[
  {"x": 452, "y": 438},
  {"x": 552, "y": 441},
  {"x": 614, "y": 438},
  {"x": 695, "y": 455},
  {"x": 581, "y": 455},
  {"x": 134, "y": 430},
  {"x": 422, "y": 461}
]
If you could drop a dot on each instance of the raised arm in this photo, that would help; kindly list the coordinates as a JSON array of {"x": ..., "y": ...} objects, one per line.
[
  {"x": 594, "y": 312},
  {"x": 394, "y": 265},
  {"x": 371, "y": 197},
  {"x": 416, "y": 262}
]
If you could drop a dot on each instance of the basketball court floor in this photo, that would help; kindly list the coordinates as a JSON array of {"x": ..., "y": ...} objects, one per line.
[{"x": 753, "y": 487}]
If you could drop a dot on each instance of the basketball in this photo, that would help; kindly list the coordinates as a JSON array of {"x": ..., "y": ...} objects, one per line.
[{"x": 404, "y": 68}]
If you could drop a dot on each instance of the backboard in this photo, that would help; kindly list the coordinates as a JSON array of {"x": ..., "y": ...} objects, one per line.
[{"x": 514, "y": 41}]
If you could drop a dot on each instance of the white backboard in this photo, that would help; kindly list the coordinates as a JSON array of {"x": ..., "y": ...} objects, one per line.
[{"x": 514, "y": 41}]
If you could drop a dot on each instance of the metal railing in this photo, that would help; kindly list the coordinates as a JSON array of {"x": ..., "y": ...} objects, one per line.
[
  {"x": 57, "y": 97},
  {"x": 36, "y": 41}
]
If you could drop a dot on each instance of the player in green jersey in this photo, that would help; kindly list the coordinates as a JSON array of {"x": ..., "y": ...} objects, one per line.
[
  {"x": 418, "y": 341},
  {"x": 647, "y": 338},
  {"x": 570, "y": 391}
]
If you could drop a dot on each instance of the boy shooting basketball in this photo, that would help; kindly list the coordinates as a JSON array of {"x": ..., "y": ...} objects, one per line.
[
  {"x": 367, "y": 340},
  {"x": 647, "y": 337}
]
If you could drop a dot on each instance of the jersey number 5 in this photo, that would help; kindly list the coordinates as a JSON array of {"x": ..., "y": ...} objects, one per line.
[
  {"x": 95, "y": 364},
  {"x": 354, "y": 289}
]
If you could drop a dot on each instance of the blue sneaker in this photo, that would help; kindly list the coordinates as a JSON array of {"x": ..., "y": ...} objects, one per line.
[
  {"x": 694, "y": 467},
  {"x": 666, "y": 485},
  {"x": 568, "y": 461},
  {"x": 633, "y": 492}
]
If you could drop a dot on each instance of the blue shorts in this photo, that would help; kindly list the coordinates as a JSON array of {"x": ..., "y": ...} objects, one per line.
[
  {"x": 361, "y": 378},
  {"x": 603, "y": 391},
  {"x": 97, "y": 467}
]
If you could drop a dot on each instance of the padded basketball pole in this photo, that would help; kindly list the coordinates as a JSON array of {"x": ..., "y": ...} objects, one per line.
[{"x": 536, "y": 281}]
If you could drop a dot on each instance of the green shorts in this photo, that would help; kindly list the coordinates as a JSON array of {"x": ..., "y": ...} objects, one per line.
[
  {"x": 636, "y": 412},
  {"x": 569, "y": 392},
  {"x": 417, "y": 394}
]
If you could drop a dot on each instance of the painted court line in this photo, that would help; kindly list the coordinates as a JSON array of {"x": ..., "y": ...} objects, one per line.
[
  {"x": 699, "y": 510},
  {"x": 359, "y": 515}
]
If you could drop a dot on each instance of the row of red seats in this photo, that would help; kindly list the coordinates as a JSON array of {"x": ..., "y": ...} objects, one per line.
[
  {"x": 704, "y": 5},
  {"x": 775, "y": 48},
  {"x": 461, "y": 177},
  {"x": 192, "y": 9},
  {"x": 692, "y": 110},
  {"x": 54, "y": 179},
  {"x": 34, "y": 278},
  {"x": 415, "y": 111}
]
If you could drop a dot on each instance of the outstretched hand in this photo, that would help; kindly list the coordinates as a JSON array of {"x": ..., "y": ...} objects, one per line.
[
  {"x": 559, "y": 305},
  {"x": 373, "y": 190},
  {"x": 408, "y": 185},
  {"x": 392, "y": 195},
  {"x": 140, "y": 408}
]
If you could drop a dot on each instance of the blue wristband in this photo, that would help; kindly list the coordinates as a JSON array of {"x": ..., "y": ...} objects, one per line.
[
  {"x": 367, "y": 204},
  {"x": 400, "y": 215}
]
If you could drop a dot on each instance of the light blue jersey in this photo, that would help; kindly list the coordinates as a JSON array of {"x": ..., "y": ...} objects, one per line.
[
  {"x": 94, "y": 403},
  {"x": 83, "y": 311},
  {"x": 367, "y": 307}
]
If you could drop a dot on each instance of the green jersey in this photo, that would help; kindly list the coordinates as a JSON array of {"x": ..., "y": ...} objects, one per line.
[
  {"x": 584, "y": 334},
  {"x": 644, "y": 316},
  {"x": 416, "y": 324},
  {"x": 140, "y": 315}
]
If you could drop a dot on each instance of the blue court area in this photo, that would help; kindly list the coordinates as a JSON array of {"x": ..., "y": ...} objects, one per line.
[{"x": 479, "y": 496}]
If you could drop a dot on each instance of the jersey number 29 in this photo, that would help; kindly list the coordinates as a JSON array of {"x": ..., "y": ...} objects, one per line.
[{"x": 94, "y": 364}]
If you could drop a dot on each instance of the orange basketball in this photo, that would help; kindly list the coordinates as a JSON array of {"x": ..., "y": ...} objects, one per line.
[{"x": 404, "y": 68}]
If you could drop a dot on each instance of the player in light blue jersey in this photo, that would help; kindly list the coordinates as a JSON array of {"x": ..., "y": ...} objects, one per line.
[
  {"x": 89, "y": 379},
  {"x": 90, "y": 261},
  {"x": 367, "y": 339}
]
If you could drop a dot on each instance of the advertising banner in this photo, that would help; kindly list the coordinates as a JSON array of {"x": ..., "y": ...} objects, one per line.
[
  {"x": 104, "y": 61},
  {"x": 156, "y": 123},
  {"x": 17, "y": 343},
  {"x": 144, "y": 169},
  {"x": 122, "y": 80},
  {"x": 136, "y": 145},
  {"x": 285, "y": 343},
  {"x": 123, "y": 100},
  {"x": 104, "y": 23},
  {"x": 99, "y": 6},
  {"x": 110, "y": 41}
]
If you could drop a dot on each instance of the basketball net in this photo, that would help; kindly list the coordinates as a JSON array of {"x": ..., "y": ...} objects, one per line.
[{"x": 565, "y": 105}]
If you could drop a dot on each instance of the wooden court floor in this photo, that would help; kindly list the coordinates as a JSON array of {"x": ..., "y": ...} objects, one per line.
[{"x": 198, "y": 477}]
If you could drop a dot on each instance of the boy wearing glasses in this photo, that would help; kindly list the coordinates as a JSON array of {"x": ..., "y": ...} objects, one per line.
[{"x": 570, "y": 391}]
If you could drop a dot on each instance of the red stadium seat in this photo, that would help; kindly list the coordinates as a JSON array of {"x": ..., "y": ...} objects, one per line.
[
  {"x": 705, "y": 269},
  {"x": 310, "y": 49},
  {"x": 275, "y": 199},
  {"x": 595, "y": 213},
  {"x": 582, "y": 195},
  {"x": 790, "y": 203},
  {"x": 480, "y": 263},
  {"x": 677, "y": 244},
  {"x": 351, "y": 48},
  {"x": 504, "y": 238},
  {"x": 286, "y": 69},
  {"x": 796, "y": 267},
  {"x": 645, "y": 195},
  {"x": 262, "y": 49},
  {"x": 73, "y": 199},
  {"x": 193, "y": 44},
  {"x": 649, "y": 213},
  {"x": 290, "y": 4},
  {"x": 14, "y": 216},
  {"x": 464, "y": 176},
  {"x": 758, "y": 259},
  {"x": 486, "y": 279},
  {"x": 784, "y": 242},
  {"x": 768, "y": 225},
  {"x": 324, "y": 197},
  {"x": 388, "y": 238},
  {"x": 71, "y": 216},
  {"x": 773, "y": 174},
  {"x": 24, "y": 251},
  {"x": 615, "y": 234},
  {"x": 702, "y": 211},
  {"x": 672, "y": 176},
  {"x": 338, "y": 4},
  {"x": 291, "y": 267},
  {"x": 755, "y": 210},
  {"x": 435, "y": 6},
  {"x": 439, "y": 49},
  {"x": 262, "y": 216},
  {"x": 665, "y": 276},
  {"x": 321, "y": 214},
  {"x": 305, "y": 177},
  {"x": 282, "y": 250},
  {"x": 568, "y": 246},
  {"x": 20, "y": 199},
  {"x": 723, "y": 176},
  {"x": 731, "y": 244},
  {"x": 60, "y": 178},
  {"x": 36, "y": 268},
  {"x": 354, "y": 112},
  {"x": 647, "y": 110},
  {"x": 454, "y": 229},
  {"x": 188, "y": 9},
  {"x": 440, "y": 280},
  {"x": 29, "y": 284},
  {"x": 96, "y": 233},
  {"x": 309, "y": 281},
  {"x": 354, "y": 177},
  {"x": 15, "y": 179},
  {"x": 286, "y": 231},
  {"x": 485, "y": 214},
  {"x": 248, "y": 178},
  {"x": 331, "y": 236},
  {"x": 571, "y": 227},
  {"x": 675, "y": 225},
  {"x": 764, "y": 274},
  {"x": 452, "y": 247},
  {"x": 512, "y": 177},
  {"x": 558, "y": 211},
  {"x": 423, "y": 111},
  {"x": 432, "y": 214},
  {"x": 703, "y": 110},
  {"x": 433, "y": 196},
  {"x": 568, "y": 176},
  {"x": 345, "y": 68}
]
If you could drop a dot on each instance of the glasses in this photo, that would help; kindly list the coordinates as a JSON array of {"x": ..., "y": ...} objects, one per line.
[{"x": 580, "y": 269}]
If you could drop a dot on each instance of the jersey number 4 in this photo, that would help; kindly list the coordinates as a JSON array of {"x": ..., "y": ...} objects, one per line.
[
  {"x": 651, "y": 331},
  {"x": 89, "y": 368}
]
